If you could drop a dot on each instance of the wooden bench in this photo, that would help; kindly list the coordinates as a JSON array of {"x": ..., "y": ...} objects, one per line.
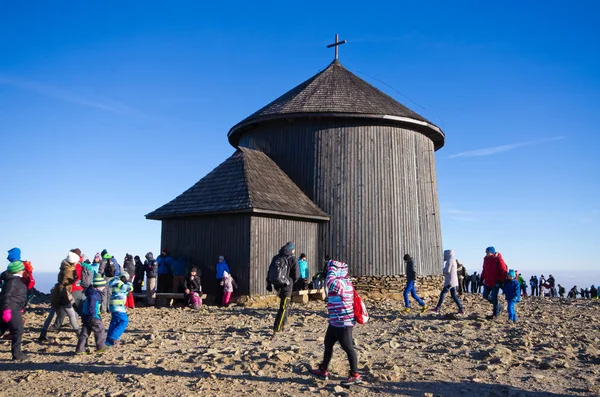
[
  {"x": 304, "y": 295},
  {"x": 165, "y": 298}
]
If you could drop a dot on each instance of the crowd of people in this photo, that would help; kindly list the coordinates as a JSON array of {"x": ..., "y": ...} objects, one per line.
[{"x": 87, "y": 289}]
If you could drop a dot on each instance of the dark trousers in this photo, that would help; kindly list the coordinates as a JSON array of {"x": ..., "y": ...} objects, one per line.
[
  {"x": 95, "y": 326},
  {"x": 15, "y": 326},
  {"x": 473, "y": 287},
  {"x": 219, "y": 297},
  {"x": 535, "y": 291},
  {"x": 282, "y": 313},
  {"x": 343, "y": 335},
  {"x": 453, "y": 293},
  {"x": 165, "y": 283}
]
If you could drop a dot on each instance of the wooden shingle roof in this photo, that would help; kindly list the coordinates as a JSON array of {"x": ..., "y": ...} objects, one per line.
[
  {"x": 336, "y": 92},
  {"x": 248, "y": 181}
]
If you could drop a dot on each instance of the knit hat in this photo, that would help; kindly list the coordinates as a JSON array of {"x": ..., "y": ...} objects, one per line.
[
  {"x": 406, "y": 257},
  {"x": 14, "y": 254},
  {"x": 98, "y": 281},
  {"x": 84, "y": 258},
  {"x": 104, "y": 252},
  {"x": 491, "y": 250},
  {"x": 222, "y": 257},
  {"x": 16, "y": 267},
  {"x": 511, "y": 273},
  {"x": 125, "y": 275},
  {"x": 77, "y": 251},
  {"x": 291, "y": 245},
  {"x": 72, "y": 257},
  {"x": 164, "y": 250}
]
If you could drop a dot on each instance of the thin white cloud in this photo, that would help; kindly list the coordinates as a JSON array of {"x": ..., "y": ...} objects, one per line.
[
  {"x": 504, "y": 148},
  {"x": 53, "y": 92}
]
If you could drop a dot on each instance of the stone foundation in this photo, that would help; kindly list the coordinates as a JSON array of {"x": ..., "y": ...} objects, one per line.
[{"x": 392, "y": 287}]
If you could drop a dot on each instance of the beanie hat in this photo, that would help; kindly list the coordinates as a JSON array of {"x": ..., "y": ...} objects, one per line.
[
  {"x": 511, "y": 273},
  {"x": 98, "y": 281},
  {"x": 222, "y": 257},
  {"x": 125, "y": 275},
  {"x": 406, "y": 257},
  {"x": 14, "y": 254},
  {"x": 16, "y": 267},
  {"x": 72, "y": 257},
  {"x": 164, "y": 250},
  {"x": 104, "y": 252},
  {"x": 77, "y": 251},
  {"x": 491, "y": 250},
  {"x": 98, "y": 257},
  {"x": 290, "y": 245}
]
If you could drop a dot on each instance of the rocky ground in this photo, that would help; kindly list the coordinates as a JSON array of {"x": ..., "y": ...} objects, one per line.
[{"x": 551, "y": 351}]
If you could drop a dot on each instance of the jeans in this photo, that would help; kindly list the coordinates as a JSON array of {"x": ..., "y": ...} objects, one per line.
[
  {"x": 410, "y": 289},
  {"x": 491, "y": 295},
  {"x": 118, "y": 324},
  {"x": 453, "y": 293},
  {"x": 512, "y": 311},
  {"x": 68, "y": 310},
  {"x": 343, "y": 335}
]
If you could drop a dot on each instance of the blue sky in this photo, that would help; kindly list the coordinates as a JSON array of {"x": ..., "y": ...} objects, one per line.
[{"x": 108, "y": 111}]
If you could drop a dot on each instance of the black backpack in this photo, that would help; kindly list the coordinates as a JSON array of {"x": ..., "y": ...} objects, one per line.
[
  {"x": 279, "y": 271},
  {"x": 109, "y": 270}
]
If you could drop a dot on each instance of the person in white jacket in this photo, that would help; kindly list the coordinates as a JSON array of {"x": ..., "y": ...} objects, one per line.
[{"x": 450, "y": 282}]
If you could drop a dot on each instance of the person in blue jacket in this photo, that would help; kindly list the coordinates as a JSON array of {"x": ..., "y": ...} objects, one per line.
[
  {"x": 179, "y": 272},
  {"x": 302, "y": 282},
  {"x": 221, "y": 267},
  {"x": 512, "y": 292},
  {"x": 90, "y": 314},
  {"x": 165, "y": 271}
]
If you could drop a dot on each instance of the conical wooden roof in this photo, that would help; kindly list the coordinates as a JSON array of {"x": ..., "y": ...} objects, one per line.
[
  {"x": 336, "y": 92},
  {"x": 248, "y": 181}
]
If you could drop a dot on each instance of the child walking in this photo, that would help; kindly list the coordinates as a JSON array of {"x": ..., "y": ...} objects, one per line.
[
  {"x": 12, "y": 302},
  {"x": 340, "y": 305},
  {"x": 120, "y": 288},
  {"x": 90, "y": 314},
  {"x": 193, "y": 289},
  {"x": 228, "y": 285},
  {"x": 450, "y": 282},
  {"x": 410, "y": 289},
  {"x": 512, "y": 294}
]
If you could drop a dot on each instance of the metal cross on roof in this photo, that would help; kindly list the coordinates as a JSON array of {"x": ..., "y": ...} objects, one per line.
[{"x": 336, "y": 44}]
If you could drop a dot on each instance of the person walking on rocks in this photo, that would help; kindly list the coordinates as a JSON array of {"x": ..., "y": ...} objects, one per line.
[
  {"x": 561, "y": 291},
  {"x": 221, "y": 267},
  {"x": 522, "y": 284},
  {"x": 450, "y": 282},
  {"x": 512, "y": 292},
  {"x": 289, "y": 273},
  {"x": 109, "y": 268},
  {"x": 533, "y": 282},
  {"x": 228, "y": 285},
  {"x": 474, "y": 282},
  {"x": 493, "y": 275},
  {"x": 340, "y": 307},
  {"x": 593, "y": 292},
  {"x": 460, "y": 271},
  {"x": 61, "y": 297},
  {"x": 120, "y": 288},
  {"x": 13, "y": 300},
  {"x": 411, "y": 279},
  {"x": 150, "y": 266},
  {"x": 90, "y": 314}
]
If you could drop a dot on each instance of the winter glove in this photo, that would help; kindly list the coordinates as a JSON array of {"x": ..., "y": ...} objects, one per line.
[
  {"x": 269, "y": 287},
  {"x": 7, "y": 315}
]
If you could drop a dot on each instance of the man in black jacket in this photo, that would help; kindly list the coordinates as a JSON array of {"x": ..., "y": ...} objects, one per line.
[
  {"x": 12, "y": 300},
  {"x": 285, "y": 292},
  {"x": 411, "y": 277}
]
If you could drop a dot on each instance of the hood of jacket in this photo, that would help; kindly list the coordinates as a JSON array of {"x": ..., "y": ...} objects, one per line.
[
  {"x": 286, "y": 250},
  {"x": 14, "y": 255},
  {"x": 448, "y": 255},
  {"x": 64, "y": 265},
  {"x": 150, "y": 256},
  {"x": 337, "y": 269}
]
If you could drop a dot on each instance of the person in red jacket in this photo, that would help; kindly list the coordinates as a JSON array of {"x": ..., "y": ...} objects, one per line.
[{"x": 493, "y": 275}]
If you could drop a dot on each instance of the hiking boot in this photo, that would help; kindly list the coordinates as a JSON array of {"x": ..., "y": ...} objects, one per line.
[
  {"x": 81, "y": 353},
  {"x": 320, "y": 373},
  {"x": 353, "y": 379},
  {"x": 21, "y": 357},
  {"x": 43, "y": 338},
  {"x": 435, "y": 310},
  {"x": 103, "y": 350},
  {"x": 461, "y": 312},
  {"x": 406, "y": 310},
  {"x": 424, "y": 309}
]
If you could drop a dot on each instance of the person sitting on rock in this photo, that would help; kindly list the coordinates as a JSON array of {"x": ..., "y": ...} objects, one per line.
[
  {"x": 193, "y": 289},
  {"x": 340, "y": 307},
  {"x": 411, "y": 279},
  {"x": 593, "y": 292},
  {"x": 450, "y": 282},
  {"x": 512, "y": 293}
]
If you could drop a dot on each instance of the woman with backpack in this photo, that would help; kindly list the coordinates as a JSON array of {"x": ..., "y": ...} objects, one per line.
[{"x": 340, "y": 306}]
